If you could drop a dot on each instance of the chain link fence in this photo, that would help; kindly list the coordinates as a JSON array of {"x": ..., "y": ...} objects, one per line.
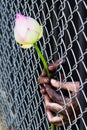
[{"x": 65, "y": 36}]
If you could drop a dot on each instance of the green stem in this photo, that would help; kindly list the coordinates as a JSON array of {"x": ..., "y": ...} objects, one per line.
[
  {"x": 52, "y": 127},
  {"x": 45, "y": 67},
  {"x": 43, "y": 59}
]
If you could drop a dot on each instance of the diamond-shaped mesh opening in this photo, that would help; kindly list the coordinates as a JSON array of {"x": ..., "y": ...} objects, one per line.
[{"x": 64, "y": 23}]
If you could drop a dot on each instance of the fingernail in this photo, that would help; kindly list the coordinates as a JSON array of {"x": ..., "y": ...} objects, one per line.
[
  {"x": 51, "y": 66},
  {"x": 46, "y": 80},
  {"x": 42, "y": 91},
  {"x": 53, "y": 81}
]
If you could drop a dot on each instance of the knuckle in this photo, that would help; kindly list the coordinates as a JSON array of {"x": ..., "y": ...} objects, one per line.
[
  {"x": 50, "y": 120},
  {"x": 47, "y": 106}
]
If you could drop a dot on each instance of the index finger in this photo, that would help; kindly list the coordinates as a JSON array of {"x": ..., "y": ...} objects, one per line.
[{"x": 53, "y": 66}]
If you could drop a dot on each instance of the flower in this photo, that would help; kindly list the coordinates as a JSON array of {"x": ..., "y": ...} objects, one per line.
[{"x": 27, "y": 31}]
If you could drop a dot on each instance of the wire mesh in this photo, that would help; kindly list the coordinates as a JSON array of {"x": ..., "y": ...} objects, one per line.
[{"x": 65, "y": 36}]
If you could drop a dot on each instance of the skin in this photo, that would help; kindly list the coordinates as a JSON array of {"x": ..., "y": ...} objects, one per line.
[{"x": 59, "y": 110}]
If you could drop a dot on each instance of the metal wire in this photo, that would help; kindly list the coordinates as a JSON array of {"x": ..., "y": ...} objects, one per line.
[{"x": 64, "y": 23}]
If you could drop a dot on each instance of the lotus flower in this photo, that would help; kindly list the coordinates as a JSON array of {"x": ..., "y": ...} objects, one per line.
[{"x": 27, "y": 31}]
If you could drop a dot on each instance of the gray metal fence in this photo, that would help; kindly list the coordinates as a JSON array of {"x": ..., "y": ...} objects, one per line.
[{"x": 65, "y": 36}]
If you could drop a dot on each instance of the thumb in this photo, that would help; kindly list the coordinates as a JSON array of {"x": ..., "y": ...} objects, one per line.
[{"x": 55, "y": 83}]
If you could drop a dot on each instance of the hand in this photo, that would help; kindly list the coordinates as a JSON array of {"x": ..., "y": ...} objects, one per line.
[{"x": 61, "y": 108}]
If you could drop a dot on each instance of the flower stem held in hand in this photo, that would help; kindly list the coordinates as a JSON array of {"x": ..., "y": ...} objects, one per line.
[
  {"x": 45, "y": 67},
  {"x": 27, "y": 32}
]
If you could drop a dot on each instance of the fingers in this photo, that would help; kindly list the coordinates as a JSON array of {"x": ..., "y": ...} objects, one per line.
[
  {"x": 71, "y": 86},
  {"x": 50, "y": 105},
  {"x": 55, "y": 96},
  {"x": 43, "y": 90},
  {"x": 55, "y": 83},
  {"x": 72, "y": 109},
  {"x": 63, "y": 115},
  {"x": 59, "y": 97},
  {"x": 53, "y": 119},
  {"x": 43, "y": 80},
  {"x": 53, "y": 67},
  {"x": 50, "y": 108}
]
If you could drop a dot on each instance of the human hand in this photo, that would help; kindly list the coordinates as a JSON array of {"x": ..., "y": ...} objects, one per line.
[{"x": 64, "y": 104}]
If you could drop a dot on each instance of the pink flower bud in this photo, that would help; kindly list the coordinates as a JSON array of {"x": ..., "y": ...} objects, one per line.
[{"x": 27, "y": 31}]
